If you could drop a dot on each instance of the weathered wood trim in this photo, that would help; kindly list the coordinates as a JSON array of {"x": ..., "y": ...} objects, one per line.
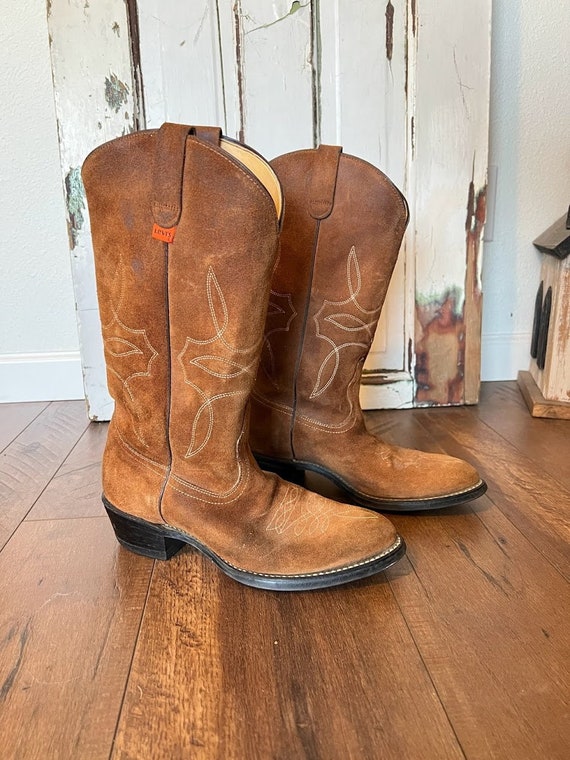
[
  {"x": 134, "y": 37},
  {"x": 537, "y": 405},
  {"x": 316, "y": 52},
  {"x": 96, "y": 98},
  {"x": 473, "y": 309},
  {"x": 284, "y": 76},
  {"x": 448, "y": 86}
]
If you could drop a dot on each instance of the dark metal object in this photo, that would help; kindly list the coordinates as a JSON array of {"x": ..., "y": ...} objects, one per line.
[
  {"x": 536, "y": 322},
  {"x": 543, "y": 334}
]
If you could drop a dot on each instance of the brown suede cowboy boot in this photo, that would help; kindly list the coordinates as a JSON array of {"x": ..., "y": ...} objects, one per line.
[
  {"x": 344, "y": 222},
  {"x": 185, "y": 226}
]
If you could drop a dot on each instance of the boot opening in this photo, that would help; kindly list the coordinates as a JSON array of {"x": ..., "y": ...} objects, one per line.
[{"x": 257, "y": 166}]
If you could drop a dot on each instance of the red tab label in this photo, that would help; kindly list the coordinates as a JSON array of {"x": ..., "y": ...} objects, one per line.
[{"x": 164, "y": 234}]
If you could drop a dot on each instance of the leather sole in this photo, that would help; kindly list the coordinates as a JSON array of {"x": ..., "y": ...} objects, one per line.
[
  {"x": 294, "y": 470},
  {"x": 163, "y": 542}
]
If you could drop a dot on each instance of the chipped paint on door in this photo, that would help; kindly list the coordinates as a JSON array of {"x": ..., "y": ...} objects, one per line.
[
  {"x": 403, "y": 84},
  {"x": 449, "y": 90},
  {"x": 96, "y": 99}
]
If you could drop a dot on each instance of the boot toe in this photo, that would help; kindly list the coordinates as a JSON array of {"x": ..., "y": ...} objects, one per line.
[
  {"x": 432, "y": 480},
  {"x": 312, "y": 536}
]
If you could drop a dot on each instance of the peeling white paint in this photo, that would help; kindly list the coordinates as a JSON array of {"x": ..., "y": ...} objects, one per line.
[{"x": 93, "y": 87}]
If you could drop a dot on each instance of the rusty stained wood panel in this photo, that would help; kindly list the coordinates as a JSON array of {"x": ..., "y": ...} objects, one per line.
[
  {"x": 448, "y": 349},
  {"x": 449, "y": 82},
  {"x": 96, "y": 82}
]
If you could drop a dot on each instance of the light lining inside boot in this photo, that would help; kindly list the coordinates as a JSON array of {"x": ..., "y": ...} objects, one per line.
[{"x": 257, "y": 166}]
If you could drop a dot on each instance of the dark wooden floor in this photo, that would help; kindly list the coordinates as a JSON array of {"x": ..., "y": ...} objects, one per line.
[{"x": 460, "y": 651}]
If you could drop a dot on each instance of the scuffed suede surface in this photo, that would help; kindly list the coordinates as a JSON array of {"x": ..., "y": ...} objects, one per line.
[
  {"x": 183, "y": 332},
  {"x": 328, "y": 289}
]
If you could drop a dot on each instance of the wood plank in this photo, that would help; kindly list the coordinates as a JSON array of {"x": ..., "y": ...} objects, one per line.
[
  {"x": 69, "y": 618},
  {"x": 182, "y": 74},
  {"x": 28, "y": 463},
  {"x": 449, "y": 89},
  {"x": 271, "y": 58},
  {"x": 75, "y": 490},
  {"x": 97, "y": 98},
  {"x": 546, "y": 442},
  {"x": 224, "y": 671},
  {"x": 539, "y": 406},
  {"x": 464, "y": 653},
  {"x": 15, "y": 417},
  {"x": 532, "y": 500},
  {"x": 367, "y": 115},
  {"x": 490, "y": 617},
  {"x": 495, "y": 642}
]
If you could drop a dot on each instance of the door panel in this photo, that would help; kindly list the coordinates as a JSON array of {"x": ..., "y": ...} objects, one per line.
[{"x": 403, "y": 84}]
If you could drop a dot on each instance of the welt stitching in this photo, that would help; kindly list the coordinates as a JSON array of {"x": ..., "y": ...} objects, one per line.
[
  {"x": 334, "y": 571},
  {"x": 350, "y": 487}
]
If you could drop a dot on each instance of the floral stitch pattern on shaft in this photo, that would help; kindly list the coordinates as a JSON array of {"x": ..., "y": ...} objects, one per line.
[
  {"x": 280, "y": 315},
  {"x": 351, "y": 318},
  {"x": 130, "y": 354},
  {"x": 214, "y": 364}
]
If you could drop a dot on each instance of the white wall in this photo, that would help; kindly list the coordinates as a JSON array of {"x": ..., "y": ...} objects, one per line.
[
  {"x": 39, "y": 357},
  {"x": 530, "y": 145}
]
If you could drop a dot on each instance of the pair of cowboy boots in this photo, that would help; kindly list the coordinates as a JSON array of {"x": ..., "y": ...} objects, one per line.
[{"x": 186, "y": 226}]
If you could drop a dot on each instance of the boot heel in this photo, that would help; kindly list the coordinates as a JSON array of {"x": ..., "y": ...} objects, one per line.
[
  {"x": 141, "y": 537},
  {"x": 283, "y": 469}
]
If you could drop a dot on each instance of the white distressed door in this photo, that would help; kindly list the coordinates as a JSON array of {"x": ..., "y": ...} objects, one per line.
[{"x": 403, "y": 84}]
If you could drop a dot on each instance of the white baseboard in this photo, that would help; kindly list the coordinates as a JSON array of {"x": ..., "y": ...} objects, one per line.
[
  {"x": 504, "y": 354},
  {"x": 41, "y": 377}
]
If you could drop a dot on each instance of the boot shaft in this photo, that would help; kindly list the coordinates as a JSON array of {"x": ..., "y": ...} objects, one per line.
[
  {"x": 182, "y": 320},
  {"x": 342, "y": 230}
]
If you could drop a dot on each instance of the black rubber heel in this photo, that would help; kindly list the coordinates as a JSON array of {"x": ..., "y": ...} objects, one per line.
[
  {"x": 285, "y": 470},
  {"x": 141, "y": 537}
]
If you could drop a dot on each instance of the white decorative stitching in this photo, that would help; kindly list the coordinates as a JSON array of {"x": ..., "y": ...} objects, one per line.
[
  {"x": 308, "y": 421},
  {"x": 283, "y": 408},
  {"x": 352, "y": 323},
  {"x": 203, "y": 362},
  {"x": 146, "y": 351},
  {"x": 275, "y": 310},
  {"x": 314, "y": 518}
]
